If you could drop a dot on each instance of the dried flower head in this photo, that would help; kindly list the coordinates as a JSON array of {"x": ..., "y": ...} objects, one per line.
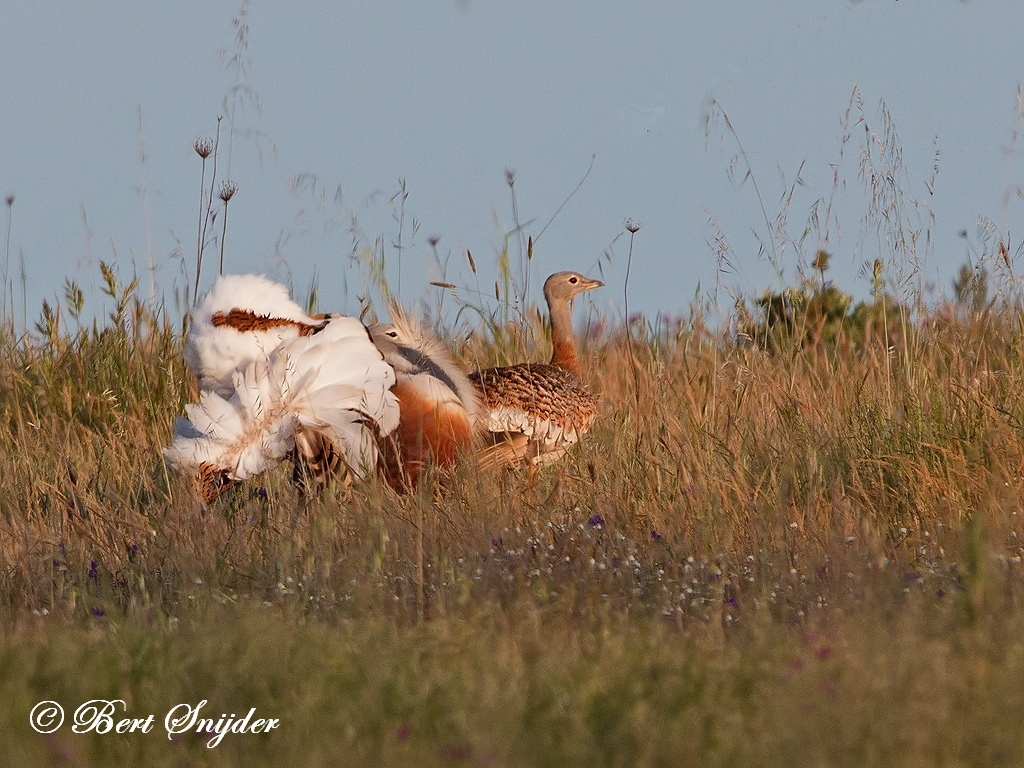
[
  {"x": 632, "y": 226},
  {"x": 821, "y": 260},
  {"x": 203, "y": 147},
  {"x": 10, "y": 200},
  {"x": 227, "y": 190},
  {"x": 510, "y": 176}
]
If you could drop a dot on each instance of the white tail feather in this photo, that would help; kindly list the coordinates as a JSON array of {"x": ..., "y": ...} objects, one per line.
[
  {"x": 214, "y": 352},
  {"x": 241, "y": 436},
  {"x": 340, "y": 386},
  {"x": 335, "y": 383}
]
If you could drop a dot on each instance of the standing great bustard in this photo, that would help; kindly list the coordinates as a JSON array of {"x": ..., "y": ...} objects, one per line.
[
  {"x": 534, "y": 412},
  {"x": 438, "y": 404}
]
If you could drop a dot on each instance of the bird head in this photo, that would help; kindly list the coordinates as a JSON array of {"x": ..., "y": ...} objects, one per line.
[
  {"x": 386, "y": 338},
  {"x": 566, "y": 286}
]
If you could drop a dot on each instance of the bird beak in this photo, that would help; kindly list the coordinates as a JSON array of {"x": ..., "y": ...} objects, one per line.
[{"x": 589, "y": 284}]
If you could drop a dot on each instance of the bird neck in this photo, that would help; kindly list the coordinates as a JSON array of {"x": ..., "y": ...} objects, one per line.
[{"x": 563, "y": 348}]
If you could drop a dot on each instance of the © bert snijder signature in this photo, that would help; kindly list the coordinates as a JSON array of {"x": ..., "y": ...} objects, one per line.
[{"x": 102, "y": 716}]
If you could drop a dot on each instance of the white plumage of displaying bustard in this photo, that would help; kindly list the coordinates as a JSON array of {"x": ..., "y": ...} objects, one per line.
[
  {"x": 534, "y": 412},
  {"x": 242, "y": 318},
  {"x": 277, "y": 382}
]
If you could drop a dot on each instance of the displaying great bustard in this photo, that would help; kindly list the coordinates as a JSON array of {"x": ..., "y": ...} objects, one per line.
[
  {"x": 533, "y": 412},
  {"x": 276, "y": 382}
]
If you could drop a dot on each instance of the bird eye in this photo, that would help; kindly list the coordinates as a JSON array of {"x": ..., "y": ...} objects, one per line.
[
  {"x": 393, "y": 334},
  {"x": 573, "y": 280}
]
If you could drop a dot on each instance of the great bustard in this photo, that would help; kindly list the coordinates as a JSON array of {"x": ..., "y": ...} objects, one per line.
[
  {"x": 276, "y": 382},
  {"x": 534, "y": 412}
]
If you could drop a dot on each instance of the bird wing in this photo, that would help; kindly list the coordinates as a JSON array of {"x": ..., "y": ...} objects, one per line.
[{"x": 546, "y": 404}]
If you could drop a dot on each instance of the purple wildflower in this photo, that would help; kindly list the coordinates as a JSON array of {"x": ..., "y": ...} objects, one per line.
[
  {"x": 596, "y": 521},
  {"x": 94, "y": 572},
  {"x": 97, "y": 612}
]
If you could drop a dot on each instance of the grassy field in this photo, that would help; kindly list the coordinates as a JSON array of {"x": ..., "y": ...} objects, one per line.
[{"x": 798, "y": 550}]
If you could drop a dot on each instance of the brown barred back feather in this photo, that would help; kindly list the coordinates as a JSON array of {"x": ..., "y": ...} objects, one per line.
[{"x": 245, "y": 321}]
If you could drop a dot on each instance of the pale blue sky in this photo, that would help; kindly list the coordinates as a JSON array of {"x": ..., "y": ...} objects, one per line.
[{"x": 448, "y": 95}]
